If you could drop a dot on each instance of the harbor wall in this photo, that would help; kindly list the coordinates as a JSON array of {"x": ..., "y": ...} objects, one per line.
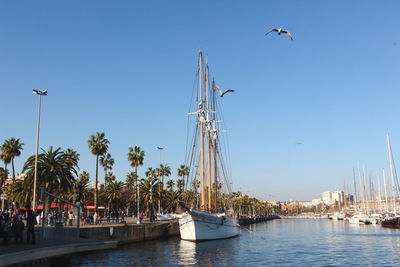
[
  {"x": 250, "y": 220},
  {"x": 129, "y": 233}
]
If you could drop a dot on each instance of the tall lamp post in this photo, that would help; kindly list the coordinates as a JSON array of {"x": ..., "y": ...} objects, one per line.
[
  {"x": 161, "y": 171},
  {"x": 40, "y": 93}
]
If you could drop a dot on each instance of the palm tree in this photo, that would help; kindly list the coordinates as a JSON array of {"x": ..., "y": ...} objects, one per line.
[
  {"x": 131, "y": 183},
  {"x": 113, "y": 192},
  {"x": 170, "y": 185},
  {"x": 12, "y": 148},
  {"x": 110, "y": 177},
  {"x": 165, "y": 171},
  {"x": 179, "y": 185},
  {"x": 6, "y": 159},
  {"x": 55, "y": 172},
  {"x": 150, "y": 173},
  {"x": 147, "y": 186},
  {"x": 173, "y": 200},
  {"x": 83, "y": 186},
  {"x": 71, "y": 157},
  {"x": 98, "y": 145},
  {"x": 107, "y": 162},
  {"x": 136, "y": 157},
  {"x": 182, "y": 172}
]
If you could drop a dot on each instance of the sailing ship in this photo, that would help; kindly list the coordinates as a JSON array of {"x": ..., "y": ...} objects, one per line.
[{"x": 207, "y": 221}]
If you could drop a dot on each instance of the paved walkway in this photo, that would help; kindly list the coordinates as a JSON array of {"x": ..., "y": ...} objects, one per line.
[
  {"x": 19, "y": 253},
  {"x": 15, "y": 253}
]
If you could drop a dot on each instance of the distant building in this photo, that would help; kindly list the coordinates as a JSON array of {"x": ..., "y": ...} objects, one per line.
[
  {"x": 316, "y": 201},
  {"x": 306, "y": 204},
  {"x": 327, "y": 198},
  {"x": 99, "y": 186},
  {"x": 18, "y": 178}
]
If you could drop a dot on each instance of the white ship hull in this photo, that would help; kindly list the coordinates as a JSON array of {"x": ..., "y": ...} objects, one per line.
[{"x": 200, "y": 226}]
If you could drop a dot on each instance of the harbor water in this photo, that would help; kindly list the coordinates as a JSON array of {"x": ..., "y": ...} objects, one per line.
[{"x": 289, "y": 242}]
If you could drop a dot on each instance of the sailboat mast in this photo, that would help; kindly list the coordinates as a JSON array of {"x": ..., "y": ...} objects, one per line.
[
  {"x": 385, "y": 187},
  {"x": 344, "y": 199},
  {"x": 208, "y": 129},
  {"x": 355, "y": 189},
  {"x": 392, "y": 174},
  {"x": 380, "y": 196},
  {"x": 361, "y": 192},
  {"x": 215, "y": 150},
  {"x": 201, "y": 112},
  {"x": 365, "y": 194}
]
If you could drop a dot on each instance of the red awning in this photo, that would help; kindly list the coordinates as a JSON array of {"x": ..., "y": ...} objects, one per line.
[{"x": 92, "y": 207}]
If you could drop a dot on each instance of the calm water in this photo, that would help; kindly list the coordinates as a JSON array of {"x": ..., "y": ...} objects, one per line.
[{"x": 276, "y": 243}]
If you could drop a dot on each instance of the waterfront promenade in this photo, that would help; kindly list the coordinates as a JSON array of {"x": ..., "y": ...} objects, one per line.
[{"x": 92, "y": 238}]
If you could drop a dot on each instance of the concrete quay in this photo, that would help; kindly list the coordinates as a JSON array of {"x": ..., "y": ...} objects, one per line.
[
  {"x": 20, "y": 254},
  {"x": 54, "y": 243},
  {"x": 129, "y": 233},
  {"x": 250, "y": 220}
]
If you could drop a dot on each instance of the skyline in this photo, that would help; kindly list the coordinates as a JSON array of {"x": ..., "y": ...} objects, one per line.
[{"x": 128, "y": 69}]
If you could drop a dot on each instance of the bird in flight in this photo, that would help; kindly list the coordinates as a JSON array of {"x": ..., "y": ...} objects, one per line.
[
  {"x": 279, "y": 31},
  {"x": 299, "y": 143},
  {"x": 222, "y": 93}
]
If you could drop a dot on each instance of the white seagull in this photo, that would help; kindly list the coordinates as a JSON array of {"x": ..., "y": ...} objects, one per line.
[
  {"x": 222, "y": 93},
  {"x": 279, "y": 31}
]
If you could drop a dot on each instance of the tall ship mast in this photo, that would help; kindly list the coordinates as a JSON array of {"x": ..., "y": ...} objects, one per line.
[{"x": 203, "y": 222}]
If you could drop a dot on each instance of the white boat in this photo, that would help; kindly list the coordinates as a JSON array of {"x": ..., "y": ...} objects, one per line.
[
  {"x": 202, "y": 222},
  {"x": 165, "y": 217},
  {"x": 197, "y": 225}
]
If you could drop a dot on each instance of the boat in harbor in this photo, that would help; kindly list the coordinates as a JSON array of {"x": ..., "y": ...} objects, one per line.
[
  {"x": 207, "y": 218},
  {"x": 392, "y": 221}
]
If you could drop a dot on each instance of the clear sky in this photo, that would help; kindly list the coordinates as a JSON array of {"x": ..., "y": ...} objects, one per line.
[{"x": 127, "y": 68}]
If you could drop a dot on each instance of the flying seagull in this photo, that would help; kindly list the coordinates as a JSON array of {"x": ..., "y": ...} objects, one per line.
[
  {"x": 279, "y": 31},
  {"x": 222, "y": 93}
]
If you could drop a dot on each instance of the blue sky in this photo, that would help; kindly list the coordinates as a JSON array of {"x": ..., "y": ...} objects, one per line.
[{"x": 127, "y": 68}]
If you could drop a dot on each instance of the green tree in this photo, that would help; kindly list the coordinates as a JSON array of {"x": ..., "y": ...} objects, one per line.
[
  {"x": 12, "y": 148},
  {"x": 182, "y": 172},
  {"x": 106, "y": 161},
  {"x": 136, "y": 157},
  {"x": 170, "y": 185},
  {"x": 179, "y": 185},
  {"x": 113, "y": 193},
  {"x": 131, "y": 183},
  {"x": 6, "y": 160},
  {"x": 55, "y": 172},
  {"x": 83, "y": 186},
  {"x": 98, "y": 145},
  {"x": 173, "y": 200}
]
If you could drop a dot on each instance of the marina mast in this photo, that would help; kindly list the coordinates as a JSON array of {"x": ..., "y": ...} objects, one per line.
[{"x": 201, "y": 120}]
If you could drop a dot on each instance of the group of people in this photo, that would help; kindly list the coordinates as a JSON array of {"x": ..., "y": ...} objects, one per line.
[
  {"x": 114, "y": 216},
  {"x": 12, "y": 225},
  {"x": 62, "y": 216}
]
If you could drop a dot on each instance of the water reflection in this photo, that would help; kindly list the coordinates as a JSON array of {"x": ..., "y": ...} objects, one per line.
[
  {"x": 275, "y": 243},
  {"x": 186, "y": 253}
]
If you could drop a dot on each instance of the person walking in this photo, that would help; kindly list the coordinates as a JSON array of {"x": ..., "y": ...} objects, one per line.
[{"x": 30, "y": 224}]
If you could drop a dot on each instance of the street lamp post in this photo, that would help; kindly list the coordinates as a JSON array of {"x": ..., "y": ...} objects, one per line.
[
  {"x": 161, "y": 171},
  {"x": 40, "y": 93},
  {"x": 138, "y": 209}
]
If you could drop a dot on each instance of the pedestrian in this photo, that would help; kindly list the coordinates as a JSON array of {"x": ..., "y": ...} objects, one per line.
[
  {"x": 30, "y": 224},
  {"x": 70, "y": 218},
  {"x": 18, "y": 227},
  {"x": 108, "y": 216},
  {"x": 3, "y": 232}
]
